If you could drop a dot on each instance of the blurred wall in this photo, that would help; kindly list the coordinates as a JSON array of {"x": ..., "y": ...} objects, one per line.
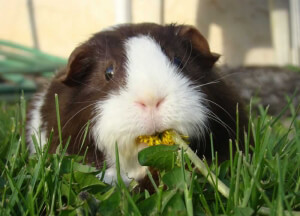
[{"x": 239, "y": 30}]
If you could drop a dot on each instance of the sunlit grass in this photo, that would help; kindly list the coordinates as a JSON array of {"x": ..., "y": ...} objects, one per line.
[{"x": 267, "y": 182}]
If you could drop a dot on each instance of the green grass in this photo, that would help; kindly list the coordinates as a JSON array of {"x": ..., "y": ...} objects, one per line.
[{"x": 265, "y": 183}]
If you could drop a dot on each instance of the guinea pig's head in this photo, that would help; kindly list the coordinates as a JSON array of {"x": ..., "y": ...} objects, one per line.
[{"x": 143, "y": 79}]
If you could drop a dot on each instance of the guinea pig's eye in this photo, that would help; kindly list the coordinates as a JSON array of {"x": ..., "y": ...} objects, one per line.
[
  {"x": 109, "y": 73},
  {"x": 177, "y": 62}
]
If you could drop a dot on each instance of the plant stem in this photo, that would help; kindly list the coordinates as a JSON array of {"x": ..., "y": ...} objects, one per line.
[{"x": 211, "y": 177}]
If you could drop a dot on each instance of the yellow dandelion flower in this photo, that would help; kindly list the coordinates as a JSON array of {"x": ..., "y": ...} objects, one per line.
[{"x": 164, "y": 138}]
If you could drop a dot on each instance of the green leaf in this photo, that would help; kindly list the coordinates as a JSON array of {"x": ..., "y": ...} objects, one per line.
[
  {"x": 175, "y": 206},
  {"x": 175, "y": 178},
  {"x": 111, "y": 206},
  {"x": 70, "y": 196},
  {"x": 224, "y": 169},
  {"x": 106, "y": 195},
  {"x": 85, "y": 180},
  {"x": 161, "y": 156},
  {"x": 66, "y": 166},
  {"x": 149, "y": 206}
]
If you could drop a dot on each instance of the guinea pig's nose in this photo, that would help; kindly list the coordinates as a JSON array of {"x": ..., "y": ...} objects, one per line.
[{"x": 150, "y": 103}]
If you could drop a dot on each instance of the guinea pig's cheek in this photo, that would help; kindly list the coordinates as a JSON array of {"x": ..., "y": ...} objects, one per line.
[
  {"x": 183, "y": 111},
  {"x": 118, "y": 121}
]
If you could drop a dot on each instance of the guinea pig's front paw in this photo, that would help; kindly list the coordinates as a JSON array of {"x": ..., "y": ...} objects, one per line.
[{"x": 110, "y": 176}]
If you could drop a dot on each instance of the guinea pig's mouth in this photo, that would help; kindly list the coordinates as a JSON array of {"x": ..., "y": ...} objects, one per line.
[{"x": 162, "y": 138}]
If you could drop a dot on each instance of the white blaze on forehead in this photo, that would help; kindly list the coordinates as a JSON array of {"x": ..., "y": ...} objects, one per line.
[{"x": 147, "y": 66}]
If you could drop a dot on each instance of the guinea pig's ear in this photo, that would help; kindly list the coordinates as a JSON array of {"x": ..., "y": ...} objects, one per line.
[
  {"x": 199, "y": 43},
  {"x": 79, "y": 64}
]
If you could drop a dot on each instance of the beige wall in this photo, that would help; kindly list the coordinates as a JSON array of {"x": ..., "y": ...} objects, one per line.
[
  {"x": 239, "y": 30},
  {"x": 61, "y": 25}
]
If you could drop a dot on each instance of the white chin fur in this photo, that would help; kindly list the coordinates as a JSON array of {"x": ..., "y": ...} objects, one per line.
[{"x": 121, "y": 118}]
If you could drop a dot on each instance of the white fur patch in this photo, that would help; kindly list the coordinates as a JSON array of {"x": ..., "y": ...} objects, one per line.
[
  {"x": 133, "y": 111},
  {"x": 34, "y": 124}
]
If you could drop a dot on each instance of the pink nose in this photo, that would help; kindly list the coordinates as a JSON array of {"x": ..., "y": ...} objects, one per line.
[{"x": 151, "y": 103}]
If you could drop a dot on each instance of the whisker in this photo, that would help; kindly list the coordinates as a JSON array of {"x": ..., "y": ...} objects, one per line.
[
  {"x": 205, "y": 84},
  {"x": 87, "y": 101},
  {"x": 215, "y": 118},
  {"x": 77, "y": 114},
  {"x": 220, "y": 108},
  {"x": 225, "y": 75},
  {"x": 216, "y": 80},
  {"x": 81, "y": 133},
  {"x": 190, "y": 53}
]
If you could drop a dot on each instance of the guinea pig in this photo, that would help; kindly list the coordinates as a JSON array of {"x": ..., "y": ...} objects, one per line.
[{"x": 132, "y": 80}]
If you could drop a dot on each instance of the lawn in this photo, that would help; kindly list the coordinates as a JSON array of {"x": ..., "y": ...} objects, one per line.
[{"x": 265, "y": 182}]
